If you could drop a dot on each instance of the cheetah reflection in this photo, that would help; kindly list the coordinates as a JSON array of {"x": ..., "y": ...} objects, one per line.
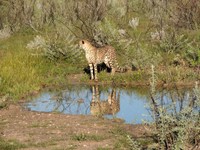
[{"x": 109, "y": 106}]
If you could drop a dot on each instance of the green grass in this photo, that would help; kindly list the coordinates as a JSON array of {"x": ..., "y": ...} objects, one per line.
[
  {"x": 11, "y": 145},
  {"x": 121, "y": 137},
  {"x": 44, "y": 144},
  {"x": 120, "y": 78},
  {"x": 87, "y": 137},
  {"x": 124, "y": 140},
  {"x": 168, "y": 74},
  {"x": 21, "y": 72}
]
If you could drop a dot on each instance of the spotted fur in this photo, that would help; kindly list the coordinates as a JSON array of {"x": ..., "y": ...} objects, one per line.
[{"x": 96, "y": 56}]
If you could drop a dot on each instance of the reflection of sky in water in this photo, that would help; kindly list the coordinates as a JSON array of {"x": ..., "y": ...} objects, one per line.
[
  {"x": 132, "y": 108},
  {"x": 132, "y": 105}
]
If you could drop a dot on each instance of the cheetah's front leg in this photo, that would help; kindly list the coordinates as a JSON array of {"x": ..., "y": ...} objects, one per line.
[
  {"x": 91, "y": 71},
  {"x": 95, "y": 72}
]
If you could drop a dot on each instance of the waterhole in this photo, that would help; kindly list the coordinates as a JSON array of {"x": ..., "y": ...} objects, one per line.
[{"x": 131, "y": 105}]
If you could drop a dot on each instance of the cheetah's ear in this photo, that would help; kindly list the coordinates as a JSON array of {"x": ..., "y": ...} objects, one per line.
[{"x": 83, "y": 42}]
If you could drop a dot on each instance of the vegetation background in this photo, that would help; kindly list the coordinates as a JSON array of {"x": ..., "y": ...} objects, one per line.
[
  {"x": 39, "y": 44},
  {"x": 39, "y": 39}
]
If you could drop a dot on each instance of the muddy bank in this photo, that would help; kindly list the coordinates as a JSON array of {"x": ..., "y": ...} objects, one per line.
[{"x": 77, "y": 79}]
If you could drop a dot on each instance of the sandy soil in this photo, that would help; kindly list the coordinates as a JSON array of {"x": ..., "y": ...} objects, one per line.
[{"x": 58, "y": 131}]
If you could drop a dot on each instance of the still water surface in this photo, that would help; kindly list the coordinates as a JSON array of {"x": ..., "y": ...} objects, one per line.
[{"x": 131, "y": 105}]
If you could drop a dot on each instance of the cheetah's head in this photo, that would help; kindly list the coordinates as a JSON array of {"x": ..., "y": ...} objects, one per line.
[{"x": 84, "y": 44}]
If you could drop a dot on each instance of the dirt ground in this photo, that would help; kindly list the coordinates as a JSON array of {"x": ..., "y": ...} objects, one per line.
[{"x": 38, "y": 131}]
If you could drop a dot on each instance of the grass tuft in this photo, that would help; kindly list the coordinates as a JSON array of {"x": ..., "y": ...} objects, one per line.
[
  {"x": 10, "y": 145},
  {"x": 87, "y": 137}
]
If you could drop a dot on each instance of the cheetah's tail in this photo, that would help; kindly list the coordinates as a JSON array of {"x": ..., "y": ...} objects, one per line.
[
  {"x": 124, "y": 69},
  {"x": 121, "y": 69}
]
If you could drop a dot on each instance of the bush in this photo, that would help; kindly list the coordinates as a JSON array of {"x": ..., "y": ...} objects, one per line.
[
  {"x": 176, "y": 128},
  {"x": 57, "y": 45}
]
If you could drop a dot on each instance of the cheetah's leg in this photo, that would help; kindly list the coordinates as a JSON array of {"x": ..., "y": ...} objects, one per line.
[
  {"x": 106, "y": 61},
  {"x": 91, "y": 71},
  {"x": 97, "y": 92},
  {"x": 95, "y": 72},
  {"x": 107, "y": 64},
  {"x": 112, "y": 68},
  {"x": 113, "y": 71},
  {"x": 93, "y": 94}
]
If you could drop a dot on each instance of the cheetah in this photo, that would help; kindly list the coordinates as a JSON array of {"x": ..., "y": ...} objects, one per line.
[{"x": 100, "y": 55}]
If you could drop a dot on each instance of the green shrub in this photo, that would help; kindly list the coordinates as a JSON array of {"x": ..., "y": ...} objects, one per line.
[{"x": 176, "y": 129}]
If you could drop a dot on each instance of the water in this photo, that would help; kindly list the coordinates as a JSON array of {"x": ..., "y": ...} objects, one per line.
[{"x": 130, "y": 105}]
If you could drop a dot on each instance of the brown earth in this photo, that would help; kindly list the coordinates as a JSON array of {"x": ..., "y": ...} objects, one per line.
[{"x": 40, "y": 131}]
